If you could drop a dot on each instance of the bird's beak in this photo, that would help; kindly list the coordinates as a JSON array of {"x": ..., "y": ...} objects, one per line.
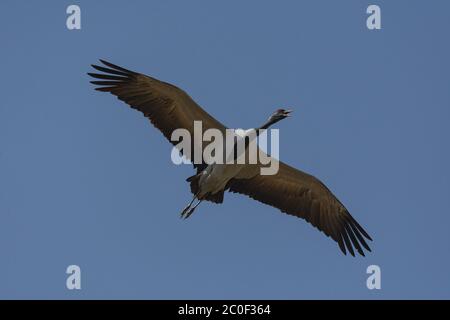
[{"x": 287, "y": 113}]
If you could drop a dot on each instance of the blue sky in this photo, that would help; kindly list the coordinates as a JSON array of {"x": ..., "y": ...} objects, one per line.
[{"x": 85, "y": 180}]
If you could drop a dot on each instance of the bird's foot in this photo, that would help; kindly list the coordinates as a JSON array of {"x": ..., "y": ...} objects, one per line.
[
  {"x": 186, "y": 213},
  {"x": 183, "y": 213}
]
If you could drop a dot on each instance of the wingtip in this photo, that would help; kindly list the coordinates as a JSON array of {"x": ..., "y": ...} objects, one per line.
[
  {"x": 342, "y": 248},
  {"x": 117, "y": 68}
]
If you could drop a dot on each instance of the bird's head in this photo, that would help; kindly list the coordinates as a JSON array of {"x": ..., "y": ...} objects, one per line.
[{"x": 279, "y": 114}]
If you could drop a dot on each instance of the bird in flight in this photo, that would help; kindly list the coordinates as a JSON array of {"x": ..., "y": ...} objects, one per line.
[{"x": 290, "y": 190}]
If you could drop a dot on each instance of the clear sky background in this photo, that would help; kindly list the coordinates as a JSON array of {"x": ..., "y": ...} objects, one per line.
[{"x": 86, "y": 180}]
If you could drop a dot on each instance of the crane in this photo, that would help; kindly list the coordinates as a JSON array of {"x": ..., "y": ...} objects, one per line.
[{"x": 290, "y": 190}]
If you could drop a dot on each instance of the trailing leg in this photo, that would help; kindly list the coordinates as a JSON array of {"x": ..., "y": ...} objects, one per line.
[
  {"x": 186, "y": 209},
  {"x": 188, "y": 213}
]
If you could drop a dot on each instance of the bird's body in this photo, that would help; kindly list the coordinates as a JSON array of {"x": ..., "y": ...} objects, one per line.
[
  {"x": 290, "y": 190},
  {"x": 215, "y": 177}
]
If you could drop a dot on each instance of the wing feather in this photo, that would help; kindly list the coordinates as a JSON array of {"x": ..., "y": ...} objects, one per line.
[
  {"x": 167, "y": 106},
  {"x": 302, "y": 195}
]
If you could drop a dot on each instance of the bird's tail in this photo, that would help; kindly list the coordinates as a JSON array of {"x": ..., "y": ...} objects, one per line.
[
  {"x": 194, "y": 182},
  {"x": 195, "y": 188}
]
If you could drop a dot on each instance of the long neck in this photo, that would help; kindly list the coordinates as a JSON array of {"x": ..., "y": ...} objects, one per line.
[
  {"x": 267, "y": 124},
  {"x": 258, "y": 131}
]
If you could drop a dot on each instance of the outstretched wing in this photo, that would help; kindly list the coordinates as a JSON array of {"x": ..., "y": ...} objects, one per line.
[
  {"x": 300, "y": 194},
  {"x": 167, "y": 106}
]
